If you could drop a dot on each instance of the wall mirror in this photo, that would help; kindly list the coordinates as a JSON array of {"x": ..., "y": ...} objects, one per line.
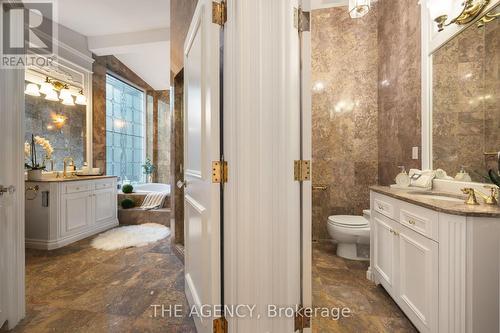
[{"x": 465, "y": 95}]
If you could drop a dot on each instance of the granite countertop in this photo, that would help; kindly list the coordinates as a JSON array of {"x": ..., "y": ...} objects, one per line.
[
  {"x": 448, "y": 207},
  {"x": 71, "y": 179}
]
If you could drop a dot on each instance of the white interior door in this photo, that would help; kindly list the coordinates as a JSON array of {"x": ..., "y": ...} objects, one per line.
[
  {"x": 11, "y": 196},
  {"x": 201, "y": 147}
]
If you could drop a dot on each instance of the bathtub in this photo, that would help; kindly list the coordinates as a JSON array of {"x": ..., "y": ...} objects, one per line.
[{"x": 152, "y": 187}]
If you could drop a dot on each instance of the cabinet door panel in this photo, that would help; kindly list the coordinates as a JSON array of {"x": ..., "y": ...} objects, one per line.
[
  {"x": 104, "y": 205},
  {"x": 385, "y": 251},
  {"x": 418, "y": 279},
  {"x": 76, "y": 211}
]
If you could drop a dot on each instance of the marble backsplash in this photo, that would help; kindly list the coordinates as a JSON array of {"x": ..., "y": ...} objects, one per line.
[
  {"x": 344, "y": 113},
  {"x": 68, "y": 140}
]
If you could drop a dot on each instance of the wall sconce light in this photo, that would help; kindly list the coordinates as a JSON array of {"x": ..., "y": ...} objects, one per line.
[
  {"x": 358, "y": 8},
  {"x": 46, "y": 87},
  {"x": 81, "y": 99},
  {"x": 50, "y": 89},
  {"x": 32, "y": 90},
  {"x": 441, "y": 10},
  {"x": 68, "y": 101},
  {"x": 51, "y": 95},
  {"x": 65, "y": 93}
]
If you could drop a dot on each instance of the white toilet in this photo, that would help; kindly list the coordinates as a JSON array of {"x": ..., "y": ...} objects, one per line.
[{"x": 349, "y": 231}]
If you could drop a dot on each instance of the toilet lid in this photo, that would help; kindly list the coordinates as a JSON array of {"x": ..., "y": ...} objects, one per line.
[{"x": 348, "y": 220}]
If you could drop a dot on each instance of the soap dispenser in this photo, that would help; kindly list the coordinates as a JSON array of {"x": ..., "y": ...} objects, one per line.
[
  {"x": 463, "y": 175},
  {"x": 402, "y": 179}
]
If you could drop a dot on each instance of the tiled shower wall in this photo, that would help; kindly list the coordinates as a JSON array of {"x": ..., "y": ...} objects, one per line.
[{"x": 344, "y": 113}]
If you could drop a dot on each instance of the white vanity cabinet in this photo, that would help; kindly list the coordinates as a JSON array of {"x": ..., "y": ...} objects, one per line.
[
  {"x": 441, "y": 269},
  {"x": 66, "y": 211}
]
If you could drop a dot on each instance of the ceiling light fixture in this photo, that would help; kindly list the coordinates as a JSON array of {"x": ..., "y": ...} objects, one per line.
[
  {"x": 358, "y": 8},
  {"x": 32, "y": 90}
]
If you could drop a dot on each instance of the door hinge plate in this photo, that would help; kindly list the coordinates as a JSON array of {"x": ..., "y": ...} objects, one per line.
[
  {"x": 219, "y": 12},
  {"x": 302, "y": 319},
  {"x": 219, "y": 172},
  {"x": 220, "y": 325},
  {"x": 302, "y": 20},
  {"x": 302, "y": 170}
]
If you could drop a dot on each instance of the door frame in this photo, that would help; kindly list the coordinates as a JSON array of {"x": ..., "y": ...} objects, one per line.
[{"x": 12, "y": 105}]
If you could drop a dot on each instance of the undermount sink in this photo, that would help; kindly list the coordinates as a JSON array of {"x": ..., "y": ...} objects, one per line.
[{"x": 435, "y": 196}]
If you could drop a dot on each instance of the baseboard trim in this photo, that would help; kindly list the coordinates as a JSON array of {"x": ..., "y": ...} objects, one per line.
[{"x": 43, "y": 244}]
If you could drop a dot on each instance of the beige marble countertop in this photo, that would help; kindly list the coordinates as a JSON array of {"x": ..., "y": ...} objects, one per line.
[
  {"x": 70, "y": 179},
  {"x": 448, "y": 207}
]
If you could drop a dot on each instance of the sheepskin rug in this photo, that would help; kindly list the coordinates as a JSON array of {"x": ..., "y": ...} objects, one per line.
[{"x": 130, "y": 236}]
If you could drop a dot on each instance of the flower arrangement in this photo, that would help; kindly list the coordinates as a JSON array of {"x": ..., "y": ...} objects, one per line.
[
  {"x": 30, "y": 152},
  {"x": 148, "y": 167}
]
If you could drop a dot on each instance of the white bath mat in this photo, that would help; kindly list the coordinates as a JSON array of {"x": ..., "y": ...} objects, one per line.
[{"x": 130, "y": 236}]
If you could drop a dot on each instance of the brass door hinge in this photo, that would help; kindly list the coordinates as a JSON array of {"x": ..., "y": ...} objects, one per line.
[
  {"x": 219, "y": 12},
  {"x": 219, "y": 172},
  {"x": 302, "y": 20},
  {"x": 302, "y": 320},
  {"x": 302, "y": 170},
  {"x": 220, "y": 325}
]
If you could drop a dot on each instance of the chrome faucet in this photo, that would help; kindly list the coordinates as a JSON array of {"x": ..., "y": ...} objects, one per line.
[{"x": 65, "y": 165}]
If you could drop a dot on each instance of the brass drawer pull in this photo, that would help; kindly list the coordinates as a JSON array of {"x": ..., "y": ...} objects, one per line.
[{"x": 411, "y": 222}]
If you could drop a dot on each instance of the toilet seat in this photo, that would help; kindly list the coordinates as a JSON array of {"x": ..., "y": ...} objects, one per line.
[{"x": 348, "y": 221}]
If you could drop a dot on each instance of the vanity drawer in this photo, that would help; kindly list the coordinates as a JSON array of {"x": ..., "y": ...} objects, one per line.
[
  {"x": 76, "y": 187},
  {"x": 385, "y": 206},
  {"x": 422, "y": 220},
  {"x": 104, "y": 184}
]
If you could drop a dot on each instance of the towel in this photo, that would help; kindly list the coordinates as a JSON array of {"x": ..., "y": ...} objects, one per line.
[
  {"x": 153, "y": 200},
  {"x": 441, "y": 174},
  {"x": 421, "y": 178}
]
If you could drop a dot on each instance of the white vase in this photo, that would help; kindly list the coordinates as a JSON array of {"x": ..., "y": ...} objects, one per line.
[{"x": 35, "y": 175}]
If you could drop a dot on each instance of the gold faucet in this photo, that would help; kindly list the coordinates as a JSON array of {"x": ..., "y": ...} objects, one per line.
[
  {"x": 471, "y": 199},
  {"x": 489, "y": 199},
  {"x": 65, "y": 165}
]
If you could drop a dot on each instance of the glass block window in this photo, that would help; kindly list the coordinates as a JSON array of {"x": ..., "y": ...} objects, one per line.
[{"x": 125, "y": 130}]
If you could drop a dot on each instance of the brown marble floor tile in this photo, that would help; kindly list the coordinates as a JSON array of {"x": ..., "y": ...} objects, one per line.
[
  {"x": 342, "y": 283},
  {"x": 81, "y": 289}
]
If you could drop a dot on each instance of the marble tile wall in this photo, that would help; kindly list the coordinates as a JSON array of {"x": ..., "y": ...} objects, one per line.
[
  {"x": 158, "y": 140},
  {"x": 344, "y": 113},
  {"x": 466, "y": 116},
  {"x": 181, "y": 12},
  {"x": 100, "y": 67},
  {"x": 177, "y": 159},
  {"x": 163, "y": 137},
  {"x": 68, "y": 140},
  {"x": 399, "y": 87}
]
